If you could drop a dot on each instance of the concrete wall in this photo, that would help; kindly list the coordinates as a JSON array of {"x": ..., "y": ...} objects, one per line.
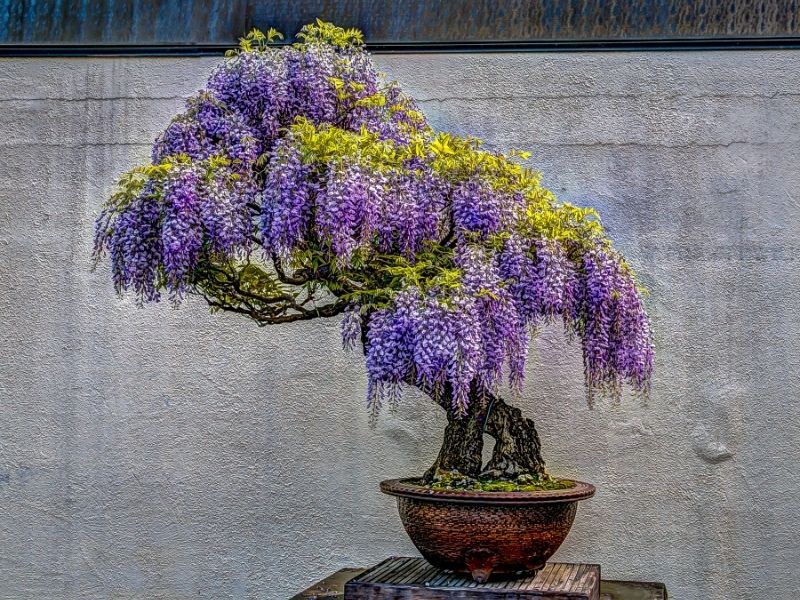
[{"x": 164, "y": 453}]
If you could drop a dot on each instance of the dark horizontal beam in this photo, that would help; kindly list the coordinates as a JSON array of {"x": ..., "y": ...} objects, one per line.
[
  {"x": 74, "y": 50},
  {"x": 192, "y": 27}
]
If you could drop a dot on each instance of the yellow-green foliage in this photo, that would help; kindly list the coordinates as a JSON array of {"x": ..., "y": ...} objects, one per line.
[
  {"x": 322, "y": 144},
  {"x": 317, "y": 33},
  {"x": 455, "y": 159},
  {"x": 256, "y": 40},
  {"x": 451, "y": 157},
  {"x": 131, "y": 183},
  {"x": 322, "y": 32}
]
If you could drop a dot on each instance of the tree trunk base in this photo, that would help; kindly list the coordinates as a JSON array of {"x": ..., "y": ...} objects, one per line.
[
  {"x": 462, "y": 446},
  {"x": 517, "y": 450}
]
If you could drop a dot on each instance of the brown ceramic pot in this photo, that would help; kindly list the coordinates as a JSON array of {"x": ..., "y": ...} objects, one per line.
[{"x": 505, "y": 534}]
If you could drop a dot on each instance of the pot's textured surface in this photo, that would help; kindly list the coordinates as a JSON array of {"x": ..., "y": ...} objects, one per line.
[{"x": 485, "y": 533}]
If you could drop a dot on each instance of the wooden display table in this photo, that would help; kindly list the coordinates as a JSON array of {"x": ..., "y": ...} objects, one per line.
[
  {"x": 442, "y": 584},
  {"x": 411, "y": 578}
]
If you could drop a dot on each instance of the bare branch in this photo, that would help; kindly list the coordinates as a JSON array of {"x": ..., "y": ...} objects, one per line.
[
  {"x": 233, "y": 279},
  {"x": 449, "y": 237},
  {"x": 328, "y": 310},
  {"x": 222, "y": 288},
  {"x": 294, "y": 279},
  {"x": 275, "y": 315}
]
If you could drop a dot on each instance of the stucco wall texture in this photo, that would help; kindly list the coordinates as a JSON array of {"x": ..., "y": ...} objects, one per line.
[{"x": 164, "y": 453}]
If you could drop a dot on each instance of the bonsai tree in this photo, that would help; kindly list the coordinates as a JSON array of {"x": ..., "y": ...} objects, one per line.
[{"x": 300, "y": 184}]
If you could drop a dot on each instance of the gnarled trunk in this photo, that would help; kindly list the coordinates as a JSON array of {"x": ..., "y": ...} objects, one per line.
[
  {"x": 517, "y": 450},
  {"x": 462, "y": 446}
]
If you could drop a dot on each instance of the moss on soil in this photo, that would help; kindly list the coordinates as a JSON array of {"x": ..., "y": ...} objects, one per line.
[{"x": 453, "y": 480}]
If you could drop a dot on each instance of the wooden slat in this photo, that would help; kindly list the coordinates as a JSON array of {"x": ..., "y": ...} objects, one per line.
[
  {"x": 391, "y": 575},
  {"x": 527, "y": 583},
  {"x": 589, "y": 583},
  {"x": 330, "y": 588},
  {"x": 377, "y": 571},
  {"x": 416, "y": 575},
  {"x": 570, "y": 580},
  {"x": 437, "y": 580},
  {"x": 557, "y": 578},
  {"x": 548, "y": 575}
]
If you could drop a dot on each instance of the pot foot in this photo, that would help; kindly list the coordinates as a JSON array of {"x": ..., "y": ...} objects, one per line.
[{"x": 480, "y": 562}]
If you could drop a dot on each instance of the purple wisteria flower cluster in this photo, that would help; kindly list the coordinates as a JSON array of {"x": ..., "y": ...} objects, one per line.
[{"x": 444, "y": 257}]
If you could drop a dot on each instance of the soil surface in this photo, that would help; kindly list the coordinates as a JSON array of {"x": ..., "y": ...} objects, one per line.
[{"x": 452, "y": 480}]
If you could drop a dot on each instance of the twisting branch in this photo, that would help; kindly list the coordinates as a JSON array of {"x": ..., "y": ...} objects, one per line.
[
  {"x": 222, "y": 288},
  {"x": 283, "y": 277},
  {"x": 233, "y": 279},
  {"x": 450, "y": 236},
  {"x": 264, "y": 316}
]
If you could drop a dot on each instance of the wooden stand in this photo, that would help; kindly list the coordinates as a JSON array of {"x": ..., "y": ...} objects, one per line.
[{"x": 414, "y": 578}]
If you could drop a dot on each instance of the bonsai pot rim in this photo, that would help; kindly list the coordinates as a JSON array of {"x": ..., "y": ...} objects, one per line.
[{"x": 409, "y": 488}]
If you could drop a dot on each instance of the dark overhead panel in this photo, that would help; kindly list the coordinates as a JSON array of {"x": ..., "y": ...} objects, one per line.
[{"x": 208, "y": 26}]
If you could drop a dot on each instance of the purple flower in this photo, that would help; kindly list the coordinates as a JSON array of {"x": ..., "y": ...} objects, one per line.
[
  {"x": 476, "y": 207},
  {"x": 310, "y": 92},
  {"x": 254, "y": 85},
  {"x": 390, "y": 344},
  {"x": 346, "y": 209},
  {"x": 226, "y": 219},
  {"x": 616, "y": 338},
  {"x": 440, "y": 265},
  {"x": 206, "y": 129},
  {"x": 351, "y": 326},
  {"x": 286, "y": 200},
  {"x": 134, "y": 245},
  {"x": 182, "y": 229},
  {"x": 546, "y": 284},
  {"x": 412, "y": 211},
  {"x": 183, "y": 136}
]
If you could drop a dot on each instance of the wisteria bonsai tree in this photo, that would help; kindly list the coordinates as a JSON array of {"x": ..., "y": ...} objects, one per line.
[{"x": 299, "y": 184}]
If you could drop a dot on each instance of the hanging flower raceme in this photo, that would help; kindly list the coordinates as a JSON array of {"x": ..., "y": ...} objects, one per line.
[
  {"x": 254, "y": 85},
  {"x": 351, "y": 327},
  {"x": 617, "y": 343},
  {"x": 286, "y": 200},
  {"x": 133, "y": 240},
  {"x": 224, "y": 211},
  {"x": 308, "y": 75},
  {"x": 182, "y": 228},
  {"x": 208, "y": 128},
  {"x": 481, "y": 209},
  {"x": 347, "y": 208},
  {"x": 443, "y": 257},
  {"x": 412, "y": 211},
  {"x": 546, "y": 284},
  {"x": 391, "y": 336},
  {"x": 477, "y": 207}
]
